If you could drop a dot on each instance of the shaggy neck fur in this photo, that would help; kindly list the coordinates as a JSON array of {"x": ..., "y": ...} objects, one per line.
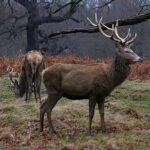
[{"x": 118, "y": 71}]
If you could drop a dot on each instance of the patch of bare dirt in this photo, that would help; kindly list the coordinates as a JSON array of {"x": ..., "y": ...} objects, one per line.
[
  {"x": 112, "y": 144},
  {"x": 133, "y": 113}
]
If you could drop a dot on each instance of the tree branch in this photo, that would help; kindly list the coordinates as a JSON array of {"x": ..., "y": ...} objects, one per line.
[
  {"x": 10, "y": 6},
  {"x": 121, "y": 22},
  {"x": 142, "y": 8},
  {"x": 12, "y": 32},
  {"x": 105, "y": 4},
  {"x": 59, "y": 9},
  {"x": 52, "y": 19},
  {"x": 25, "y": 3}
]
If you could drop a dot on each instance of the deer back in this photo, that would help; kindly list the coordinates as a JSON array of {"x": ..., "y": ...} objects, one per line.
[{"x": 34, "y": 62}]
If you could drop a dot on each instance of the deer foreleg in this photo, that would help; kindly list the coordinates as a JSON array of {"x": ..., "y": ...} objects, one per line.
[
  {"x": 35, "y": 93},
  {"x": 92, "y": 103},
  {"x": 101, "y": 111},
  {"x": 47, "y": 107},
  {"x": 52, "y": 101},
  {"x": 27, "y": 91},
  {"x": 37, "y": 85}
]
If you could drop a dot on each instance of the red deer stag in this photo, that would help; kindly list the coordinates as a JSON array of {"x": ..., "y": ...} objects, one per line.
[
  {"x": 30, "y": 76},
  {"x": 93, "y": 82}
]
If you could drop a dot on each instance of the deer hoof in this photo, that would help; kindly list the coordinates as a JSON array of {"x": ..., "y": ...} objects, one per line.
[
  {"x": 52, "y": 131},
  {"x": 90, "y": 133},
  {"x": 41, "y": 130}
]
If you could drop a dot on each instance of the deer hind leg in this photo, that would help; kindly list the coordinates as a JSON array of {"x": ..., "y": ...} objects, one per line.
[
  {"x": 26, "y": 94},
  {"x": 92, "y": 104},
  {"x": 101, "y": 111},
  {"x": 35, "y": 93},
  {"x": 47, "y": 107},
  {"x": 28, "y": 91},
  {"x": 30, "y": 88},
  {"x": 37, "y": 89},
  {"x": 43, "y": 108},
  {"x": 29, "y": 84},
  {"x": 38, "y": 92},
  {"x": 35, "y": 86}
]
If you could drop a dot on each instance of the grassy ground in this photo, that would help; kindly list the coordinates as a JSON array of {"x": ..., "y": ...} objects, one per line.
[{"x": 127, "y": 116}]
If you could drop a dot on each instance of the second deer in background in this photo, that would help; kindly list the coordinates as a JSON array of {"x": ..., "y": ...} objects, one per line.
[{"x": 30, "y": 77}]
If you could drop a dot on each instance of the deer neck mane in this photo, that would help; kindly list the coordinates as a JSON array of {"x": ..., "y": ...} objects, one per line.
[{"x": 118, "y": 71}]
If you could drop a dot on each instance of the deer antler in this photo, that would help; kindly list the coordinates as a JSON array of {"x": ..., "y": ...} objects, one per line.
[
  {"x": 132, "y": 40},
  {"x": 99, "y": 23},
  {"x": 10, "y": 74},
  {"x": 126, "y": 40}
]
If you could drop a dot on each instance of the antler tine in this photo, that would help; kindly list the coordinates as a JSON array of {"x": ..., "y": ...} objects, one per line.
[
  {"x": 100, "y": 29},
  {"x": 106, "y": 26},
  {"x": 116, "y": 32},
  {"x": 96, "y": 19},
  {"x": 112, "y": 29},
  {"x": 93, "y": 24},
  {"x": 128, "y": 35},
  {"x": 130, "y": 41},
  {"x": 8, "y": 68},
  {"x": 10, "y": 76},
  {"x": 113, "y": 33},
  {"x": 99, "y": 24},
  {"x": 123, "y": 40}
]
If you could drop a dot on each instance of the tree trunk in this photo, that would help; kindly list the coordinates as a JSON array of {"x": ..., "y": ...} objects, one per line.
[{"x": 32, "y": 37}]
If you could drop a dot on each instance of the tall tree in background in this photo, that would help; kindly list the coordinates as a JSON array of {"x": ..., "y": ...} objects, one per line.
[
  {"x": 37, "y": 12},
  {"x": 39, "y": 22}
]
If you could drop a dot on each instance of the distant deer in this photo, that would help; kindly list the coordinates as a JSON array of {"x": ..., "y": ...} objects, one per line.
[
  {"x": 30, "y": 76},
  {"x": 93, "y": 82}
]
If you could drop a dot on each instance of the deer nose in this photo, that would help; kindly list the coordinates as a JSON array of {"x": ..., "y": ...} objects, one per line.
[{"x": 140, "y": 59}]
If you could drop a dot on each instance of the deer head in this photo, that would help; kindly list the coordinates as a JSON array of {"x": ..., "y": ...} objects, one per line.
[{"x": 122, "y": 44}]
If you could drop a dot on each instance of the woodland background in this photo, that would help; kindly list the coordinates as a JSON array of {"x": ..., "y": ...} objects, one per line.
[{"x": 28, "y": 24}]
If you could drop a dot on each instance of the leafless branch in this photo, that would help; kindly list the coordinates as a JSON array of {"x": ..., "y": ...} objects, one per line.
[
  {"x": 50, "y": 18},
  {"x": 105, "y": 4},
  {"x": 16, "y": 18},
  {"x": 60, "y": 8},
  {"x": 10, "y": 6},
  {"x": 25, "y": 3},
  {"x": 142, "y": 8},
  {"x": 121, "y": 22},
  {"x": 12, "y": 31}
]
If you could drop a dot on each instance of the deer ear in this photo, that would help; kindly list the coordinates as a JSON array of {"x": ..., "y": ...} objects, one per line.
[
  {"x": 118, "y": 46},
  {"x": 129, "y": 45}
]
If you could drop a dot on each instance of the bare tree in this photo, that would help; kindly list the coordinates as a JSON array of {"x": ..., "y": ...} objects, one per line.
[
  {"x": 36, "y": 13},
  {"x": 121, "y": 22},
  {"x": 46, "y": 23}
]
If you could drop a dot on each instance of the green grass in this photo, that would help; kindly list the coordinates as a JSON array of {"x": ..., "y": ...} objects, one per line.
[
  {"x": 9, "y": 109},
  {"x": 135, "y": 95},
  {"x": 127, "y": 117}
]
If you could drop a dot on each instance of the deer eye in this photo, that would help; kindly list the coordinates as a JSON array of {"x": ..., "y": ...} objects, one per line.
[{"x": 127, "y": 52}]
